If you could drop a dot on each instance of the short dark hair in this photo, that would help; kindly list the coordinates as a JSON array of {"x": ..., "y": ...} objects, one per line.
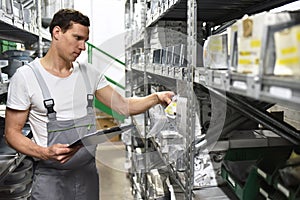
[{"x": 65, "y": 18}]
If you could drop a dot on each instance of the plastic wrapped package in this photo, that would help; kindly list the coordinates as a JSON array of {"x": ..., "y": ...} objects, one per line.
[
  {"x": 158, "y": 121},
  {"x": 157, "y": 182},
  {"x": 250, "y": 33},
  {"x": 139, "y": 159},
  {"x": 205, "y": 174},
  {"x": 170, "y": 138},
  {"x": 170, "y": 110},
  {"x": 215, "y": 52},
  {"x": 287, "y": 45}
]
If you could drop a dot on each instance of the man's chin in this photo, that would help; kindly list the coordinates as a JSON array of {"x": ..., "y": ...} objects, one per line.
[{"x": 74, "y": 58}]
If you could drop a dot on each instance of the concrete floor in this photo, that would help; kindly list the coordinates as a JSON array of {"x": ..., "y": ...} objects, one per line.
[{"x": 114, "y": 185}]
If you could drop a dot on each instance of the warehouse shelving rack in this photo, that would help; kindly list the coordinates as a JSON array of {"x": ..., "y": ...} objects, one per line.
[
  {"x": 246, "y": 96},
  {"x": 18, "y": 29}
]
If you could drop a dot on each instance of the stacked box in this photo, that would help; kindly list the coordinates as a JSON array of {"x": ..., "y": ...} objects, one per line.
[
  {"x": 172, "y": 55},
  {"x": 138, "y": 16},
  {"x": 168, "y": 33},
  {"x": 30, "y": 19},
  {"x": 215, "y": 52},
  {"x": 287, "y": 48},
  {"x": 250, "y": 32},
  {"x": 18, "y": 14},
  {"x": 248, "y": 41}
]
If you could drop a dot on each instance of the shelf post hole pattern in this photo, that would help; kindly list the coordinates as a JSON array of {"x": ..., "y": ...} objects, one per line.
[{"x": 190, "y": 136}]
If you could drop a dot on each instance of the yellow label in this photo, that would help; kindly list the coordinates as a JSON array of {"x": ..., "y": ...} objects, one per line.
[
  {"x": 216, "y": 48},
  {"x": 255, "y": 43},
  {"x": 248, "y": 61},
  {"x": 298, "y": 36},
  {"x": 289, "y": 61},
  {"x": 289, "y": 50},
  {"x": 245, "y": 62},
  {"x": 245, "y": 53},
  {"x": 216, "y": 44},
  {"x": 287, "y": 43}
]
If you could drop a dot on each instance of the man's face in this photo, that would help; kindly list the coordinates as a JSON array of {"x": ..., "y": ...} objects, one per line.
[{"x": 72, "y": 42}]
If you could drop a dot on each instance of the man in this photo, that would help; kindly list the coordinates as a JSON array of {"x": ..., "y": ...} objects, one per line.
[{"x": 55, "y": 94}]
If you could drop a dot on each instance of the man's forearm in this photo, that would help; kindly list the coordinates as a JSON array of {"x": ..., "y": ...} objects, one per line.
[
  {"x": 137, "y": 105},
  {"x": 24, "y": 145}
]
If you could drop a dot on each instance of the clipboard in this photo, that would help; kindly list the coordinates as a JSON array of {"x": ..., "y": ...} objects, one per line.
[{"x": 101, "y": 136}]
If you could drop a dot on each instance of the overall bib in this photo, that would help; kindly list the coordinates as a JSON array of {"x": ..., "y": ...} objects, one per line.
[{"x": 77, "y": 179}]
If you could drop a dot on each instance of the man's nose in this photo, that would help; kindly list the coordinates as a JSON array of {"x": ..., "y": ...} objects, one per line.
[{"x": 82, "y": 46}]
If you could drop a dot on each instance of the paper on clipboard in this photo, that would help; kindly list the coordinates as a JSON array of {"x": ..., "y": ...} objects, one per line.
[{"x": 101, "y": 136}]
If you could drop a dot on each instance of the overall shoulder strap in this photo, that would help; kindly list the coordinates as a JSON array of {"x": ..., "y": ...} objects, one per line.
[
  {"x": 83, "y": 69},
  {"x": 90, "y": 94},
  {"x": 48, "y": 100}
]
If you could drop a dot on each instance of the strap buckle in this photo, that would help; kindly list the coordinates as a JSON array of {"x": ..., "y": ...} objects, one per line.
[
  {"x": 49, "y": 105},
  {"x": 90, "y": 100}
]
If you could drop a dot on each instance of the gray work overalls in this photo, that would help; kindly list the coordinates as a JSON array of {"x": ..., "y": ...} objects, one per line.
[{"x": 77, "y": 179}]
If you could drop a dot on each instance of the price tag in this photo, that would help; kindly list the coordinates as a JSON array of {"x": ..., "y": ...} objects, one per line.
[
  {"x": 240, "y": 85},
  {"x": 281, "y": 92}
]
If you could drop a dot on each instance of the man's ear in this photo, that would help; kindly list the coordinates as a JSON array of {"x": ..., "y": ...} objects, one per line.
[{"x": 56, "y": 31}]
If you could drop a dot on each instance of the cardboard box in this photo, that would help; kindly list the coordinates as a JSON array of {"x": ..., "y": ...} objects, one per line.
[{"x": 106, "y": 121}]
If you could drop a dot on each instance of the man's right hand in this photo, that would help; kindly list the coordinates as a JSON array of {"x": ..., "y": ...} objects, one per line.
[{"x": 60, "y": 152}]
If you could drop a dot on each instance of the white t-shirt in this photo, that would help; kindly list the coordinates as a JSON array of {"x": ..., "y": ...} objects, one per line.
[{"x": 69, "y": 95}]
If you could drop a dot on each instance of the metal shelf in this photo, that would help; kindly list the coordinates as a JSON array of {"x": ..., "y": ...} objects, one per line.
[
  {"x": 218, "y": 12},
  {"x": 215, "y": 11},
  {"x": 222, "y": 192},
  {"x": 283, "y": 90},
  {"x": 247, "y": 108},
  {"x": 164, "y": 80},
  {"x": 175, "y": 10},
  {"x": 274, "y": 89},
  {"x": 139, "y": 69},
  {"x": 13, "y": 33},
  {"x": 238, "y": 91},
  {"x": 137, "y": 41},
  {"x": 170, "y": 72},
  {"x": 16, "y": 30},
  {"x": 161, "y": 78}
]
